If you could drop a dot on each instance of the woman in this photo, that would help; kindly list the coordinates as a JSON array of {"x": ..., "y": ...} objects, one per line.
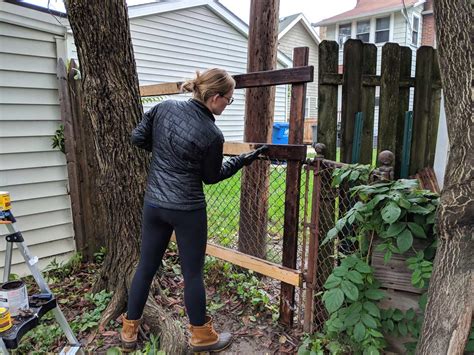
[{"x": 187, "y": 150}]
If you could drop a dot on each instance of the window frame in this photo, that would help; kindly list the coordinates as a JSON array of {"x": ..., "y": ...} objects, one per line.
[
  {"x": 363, "y": 33},
  {"x": 344, "y": 25},
  {"x": 415, "y": 31},
  {"x": 382, "y": 30}
]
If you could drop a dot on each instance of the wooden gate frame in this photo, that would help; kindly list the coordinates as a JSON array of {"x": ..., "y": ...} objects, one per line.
[{"x": 294, "y": 153}]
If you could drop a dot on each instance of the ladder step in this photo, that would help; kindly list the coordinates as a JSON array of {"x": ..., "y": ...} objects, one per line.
[
  {"x": 71, "y": 350},
  {"x": 21, "y": 325}
]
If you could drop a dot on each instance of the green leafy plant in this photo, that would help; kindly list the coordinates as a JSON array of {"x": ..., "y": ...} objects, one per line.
[
  {"x": 58, "y": 139},
  {"x": 387, "y": 216},
  {"x": 99, "y": 256}
]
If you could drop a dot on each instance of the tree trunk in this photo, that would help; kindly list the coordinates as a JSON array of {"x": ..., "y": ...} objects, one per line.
[
  {"x": 259, "y": 109},
  {"x": 449, "y": 310},
  {"x": 111, "y": 102}
]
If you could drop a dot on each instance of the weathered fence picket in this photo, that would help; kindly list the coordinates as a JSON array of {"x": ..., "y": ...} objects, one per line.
[{"x": 359, "y": 81}]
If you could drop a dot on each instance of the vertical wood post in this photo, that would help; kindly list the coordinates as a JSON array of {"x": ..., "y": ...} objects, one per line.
[
  {"x": 422, "y": 108},
  {"x": 292, "y": 192},
  {"x": 92, "y": 240},
  {"x": 259, "y": 109},
  {"x": 390, "y": 122},
  {"x": 351, "y": 94},
  {"x": 403, "y": 104},
  {"x": 369, "y": 65},
  {"x": 327, "y": 98},
  {"x": 435, "y": 111},
  {"x": 72, "y": 159}
]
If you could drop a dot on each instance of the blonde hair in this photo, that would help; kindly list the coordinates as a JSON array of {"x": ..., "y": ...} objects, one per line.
[{"x": 209, "y": 83}]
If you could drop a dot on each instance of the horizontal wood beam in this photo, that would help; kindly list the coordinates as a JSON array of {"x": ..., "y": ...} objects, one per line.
[
  {"x": 161, "y": 89},
  {"x": 249, "y": 80},
  {"x": 264, "y": 267},
  {"x": 275, "y": 151},
  {"x": 275, "y": 271},
  {"x": 275, "y": 77}
]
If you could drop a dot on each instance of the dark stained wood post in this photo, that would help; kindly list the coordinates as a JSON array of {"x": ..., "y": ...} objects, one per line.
[
  {"x": 422, "y": 108},
  {"x": 435, "y": 111},
  {"x": 259, "y": 109},
  {"x": 369, "y": 65},
  {"x": 351, "y": 93},
  {"x": 292, "y": 193},
  {"x": 327, "y": 97},
  {"x": 390, "y": 122},
  {"x": 403, "y": 104},
  {"x": 72, "y": 160},
  {"x": 92, "y": 240}
]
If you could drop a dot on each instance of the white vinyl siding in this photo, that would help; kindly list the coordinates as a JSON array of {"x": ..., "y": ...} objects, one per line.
[
  {"x": 171, "y": 46},
  {"x": 298, "y": 36},
  {"x": 34, "y": 173}
]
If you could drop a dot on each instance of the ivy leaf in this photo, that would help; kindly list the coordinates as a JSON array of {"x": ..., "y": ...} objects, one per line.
[
  {"x": 371, "y": 350},
  {"x": 331, "y": 235},
  {"x": 355, "y": 277},
  {"x": 395, "y": 229},
  {"x": 368, "y": 320},
  {"x": 359, "y": 332},
  {"x": 404, "y": 241},
  {"x": 363, "y": 268},
  {"x": 350, "y": 290},
  {"x": 410, "y": 314},
  {"x": 374, "y": 294},
  {"x": 417, "y": 230},
  {"x": 333, "y": 299},
  {"x": 372, "y": 309},
  {"x": 352, "y": 319},
  {"x": 332, "y": 281},
  {"x": 397, "y": 315},
  {"x": 374, "y": 201},
  {"x": 402, "y": 328},
  {"x": 387, "y": 256},
  {"x": 418, "y": 209},
  {"x": 340, "y": 271},
  {"x": 391, "y": 212}
]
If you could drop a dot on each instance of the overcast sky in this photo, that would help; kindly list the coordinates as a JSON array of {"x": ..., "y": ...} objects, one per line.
[{"x": 314, "y": 10}]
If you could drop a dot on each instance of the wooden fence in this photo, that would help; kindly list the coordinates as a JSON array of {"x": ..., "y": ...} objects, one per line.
[{"x": 396, "y": 124}]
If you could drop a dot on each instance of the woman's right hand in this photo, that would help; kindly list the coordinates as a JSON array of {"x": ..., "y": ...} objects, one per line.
[{"x": 248, "y": 158}]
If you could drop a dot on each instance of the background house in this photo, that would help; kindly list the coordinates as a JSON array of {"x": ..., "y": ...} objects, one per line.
[
  {"x": 296, "y": 31},
  {"x": 170, "y": 39}
]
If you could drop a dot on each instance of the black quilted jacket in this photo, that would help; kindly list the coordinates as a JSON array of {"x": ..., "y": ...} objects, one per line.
[{"x": 186, "y": 148}]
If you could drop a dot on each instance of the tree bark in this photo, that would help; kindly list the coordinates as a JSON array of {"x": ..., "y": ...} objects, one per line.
[
  {"x": 449, "y": 310},
  {"x": 259, "y": 109},
  {"x": 111, "y": 102}
]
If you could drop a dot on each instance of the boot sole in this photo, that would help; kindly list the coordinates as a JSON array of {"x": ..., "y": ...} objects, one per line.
[
  {"x": 128, "y": 348},
  {"x": 207, "y": 351}
]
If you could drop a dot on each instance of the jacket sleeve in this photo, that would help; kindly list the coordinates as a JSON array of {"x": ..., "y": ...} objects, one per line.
[
  {"x": 213, "y": 167},
  {"x": 142, "y": 134}
]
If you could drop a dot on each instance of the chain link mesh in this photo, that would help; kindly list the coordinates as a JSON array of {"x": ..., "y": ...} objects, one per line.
[
  {"x": 333, "y": 203},
  {"x": 246, "y": 212}
]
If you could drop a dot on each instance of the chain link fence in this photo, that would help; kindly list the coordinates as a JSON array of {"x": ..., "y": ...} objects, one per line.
[
  {"x": 246, "y": 212},
  {"x": 330, "y": 204}
]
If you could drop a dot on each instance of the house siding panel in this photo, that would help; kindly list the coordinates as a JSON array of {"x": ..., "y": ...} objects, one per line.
[
  {"x": 298, "y": 36},
  {"x": 33, "y": 172}
]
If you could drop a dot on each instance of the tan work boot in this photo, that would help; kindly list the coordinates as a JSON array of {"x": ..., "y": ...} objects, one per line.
[
  {"x": 129, "y": 333},
  {"x": 205, "y": 338}
]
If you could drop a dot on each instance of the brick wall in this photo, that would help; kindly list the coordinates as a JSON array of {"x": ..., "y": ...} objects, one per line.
[{"x": 428, "y": 34}]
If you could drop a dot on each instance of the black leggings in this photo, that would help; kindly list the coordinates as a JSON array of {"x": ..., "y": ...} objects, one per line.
[{"x": 191, "y": 234}]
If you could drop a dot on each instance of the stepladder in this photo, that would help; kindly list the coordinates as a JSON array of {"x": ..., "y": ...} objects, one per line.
[{"x": 38, "y": 304}]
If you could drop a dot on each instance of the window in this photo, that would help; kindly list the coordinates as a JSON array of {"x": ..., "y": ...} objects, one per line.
[
  {"x": 382, "y": 29},
  {"x": 363, "y": 30},
  {"x": 415, "y": 29},
  {"x": 344, "y": 33}
]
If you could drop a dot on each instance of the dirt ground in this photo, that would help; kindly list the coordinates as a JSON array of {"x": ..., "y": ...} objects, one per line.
[{"x": 255, "y": 332}]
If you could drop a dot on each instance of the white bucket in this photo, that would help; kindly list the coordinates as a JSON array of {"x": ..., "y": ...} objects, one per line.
[{"x": 14, "y": 296}]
